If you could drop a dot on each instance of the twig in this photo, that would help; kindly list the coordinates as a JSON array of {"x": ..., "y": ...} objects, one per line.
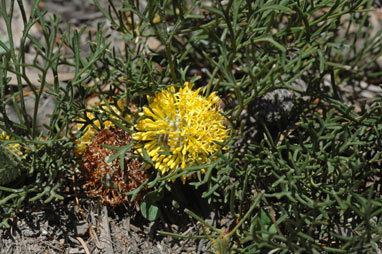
[
  {"x": 91, "y": 232},
  {"x": 77, "y": 200},
  {"x": 83, "y": 245},
  {"x": 105, "y": 237}
]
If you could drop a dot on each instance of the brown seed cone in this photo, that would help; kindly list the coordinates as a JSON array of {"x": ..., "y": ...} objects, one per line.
[{"x": 106, "y": 179}]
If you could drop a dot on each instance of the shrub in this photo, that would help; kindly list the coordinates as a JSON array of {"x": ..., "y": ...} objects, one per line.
[{"x": 300, "y": 172}]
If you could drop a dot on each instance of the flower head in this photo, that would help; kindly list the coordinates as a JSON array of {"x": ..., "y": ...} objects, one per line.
[
  {"x": 13, "y": 149},
  {"x": 180, "y": 128},
  {"x": 11, "y": 154},
  {"x": 107, "y": 179}
]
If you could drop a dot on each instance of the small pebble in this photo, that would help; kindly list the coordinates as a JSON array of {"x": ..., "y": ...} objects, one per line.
[
  {"x": 367, "y": 94},
  {"x": 82, "y": 228},
  {"x": 62, "y": 242}
]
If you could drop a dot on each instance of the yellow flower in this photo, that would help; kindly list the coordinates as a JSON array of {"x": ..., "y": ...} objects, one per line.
[
  {"x": 10, "y": 156},
  {"x": 90, "y": 132},
  {"x": 12, "y": 148},
  {"x": 180, "y": 128}
]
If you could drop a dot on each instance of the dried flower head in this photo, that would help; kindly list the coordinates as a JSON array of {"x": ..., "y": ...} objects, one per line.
[
  {"x": 180, "y": 129},
  {"x": 106, "y": 179}
]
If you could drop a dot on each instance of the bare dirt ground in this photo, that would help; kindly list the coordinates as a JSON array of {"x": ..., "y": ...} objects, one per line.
[{"x": 89, "y": 227}]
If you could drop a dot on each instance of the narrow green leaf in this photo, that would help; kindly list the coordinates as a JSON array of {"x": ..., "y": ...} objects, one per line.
[
  {"x": 322, "y": 60},
  {"x": 270, "y": 40}
]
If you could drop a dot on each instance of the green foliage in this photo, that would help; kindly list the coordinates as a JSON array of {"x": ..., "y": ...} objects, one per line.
[
  {"x": 150, "y": 207},
  {"x": 320, "y": 184},
  {"x": 308, "y": 182},
  {"x": 46, "y": 155}
]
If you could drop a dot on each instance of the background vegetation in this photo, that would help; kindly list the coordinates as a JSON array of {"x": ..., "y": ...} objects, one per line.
[{"x": 302, "y": 170}]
